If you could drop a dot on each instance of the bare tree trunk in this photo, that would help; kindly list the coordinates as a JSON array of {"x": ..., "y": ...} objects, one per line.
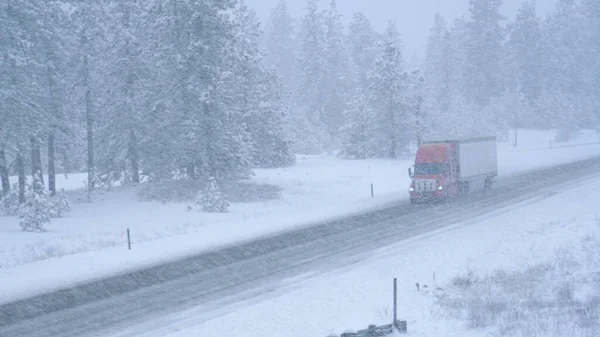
[
  {"x": 393, "y": 143},
  {"x": 54, "y": 110},
  {"x": 51, "y": 164},
  {"x": 4, "y": 172},
  {"x": 89, "y": 115},
  {"x": 36, "y": 159},
  {"x": 133, "y": 157},
  {"x": 208, "y": 160},
  {"x": 418, "y": 120},
  {"x": 129, "y": 84},
  {"x": 22, "y": 179},
  {"x": 191, "y": 171},
  {"x": 90, "y": 139}
]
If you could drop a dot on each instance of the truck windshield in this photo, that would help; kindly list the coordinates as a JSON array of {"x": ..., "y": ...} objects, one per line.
[{"x": 430, "y": 169}]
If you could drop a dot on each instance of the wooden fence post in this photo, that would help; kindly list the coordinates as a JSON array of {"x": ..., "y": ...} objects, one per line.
[{"x": 395, "y": 299}]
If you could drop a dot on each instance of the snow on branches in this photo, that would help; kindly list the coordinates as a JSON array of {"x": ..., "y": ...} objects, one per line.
[
  {"x": 36, "y": 212},
  {"x": 211, "y": 199}
]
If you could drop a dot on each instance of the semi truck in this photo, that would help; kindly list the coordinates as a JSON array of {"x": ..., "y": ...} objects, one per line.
[{"x": 452, "y": 168}]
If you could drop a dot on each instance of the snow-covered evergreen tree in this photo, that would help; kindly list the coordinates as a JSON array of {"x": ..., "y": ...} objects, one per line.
[
  {"x": 525, "y": 52},
  {"x": 310, "y": 116},
  {"x": 259, "y": 99},
  {"x": 414, "y": 97},
  {"x": 211, "y": 199},
  {"x": 337, "y": 84},
  {"x": 393, "y": 119},
  {"x": 36, "y": 212},
  {"x": 61, "y": 205},
  {"x": 356, "y": 133},
  {"x": 362, "y": 46},
  {"x": 10, "y": 201},
  {"x": 591, "y": 46},
  {"x": 438, "y": 71},
  {"x": 591, "y": 29},
  {"x": 197, "y": 101},
  {"x": 272, "y": 147},
  {"x": 457, "y": 119},
  {"x": 484, "y": 54},
  {"x": 564, "y": 98},
  {"x": 281, "y": 43},
  {"x": 524, "y": 66},
  {"x": 121, "y": 124}
]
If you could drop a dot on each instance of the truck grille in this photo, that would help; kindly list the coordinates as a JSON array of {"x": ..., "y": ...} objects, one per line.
[{"x": 425, "y": 185}]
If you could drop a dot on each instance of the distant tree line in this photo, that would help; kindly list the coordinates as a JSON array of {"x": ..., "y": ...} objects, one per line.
[
  {"x": 351, "y": 90},
  {"x": 196, "y": 89}
]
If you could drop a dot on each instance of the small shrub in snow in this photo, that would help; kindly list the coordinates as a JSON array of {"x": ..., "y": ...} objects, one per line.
[
  {"x": 61, "y": 206},
  {"x": 36, "y": 212},
  {"x": 10, "y": 202},
  {"x": 561, "y": 298},
  {"x": 211, "y": 199},
  {"x": 464, "y": 281}
]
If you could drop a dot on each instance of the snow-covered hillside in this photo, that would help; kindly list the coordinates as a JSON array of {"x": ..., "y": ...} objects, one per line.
[{"x": 316, "y": 189}]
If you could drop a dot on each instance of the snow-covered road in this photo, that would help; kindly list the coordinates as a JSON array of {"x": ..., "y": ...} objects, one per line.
[{"x": 267, "y": 266}]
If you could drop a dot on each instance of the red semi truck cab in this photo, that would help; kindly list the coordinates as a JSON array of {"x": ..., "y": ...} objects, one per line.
[{"x": 450, "y": 168}]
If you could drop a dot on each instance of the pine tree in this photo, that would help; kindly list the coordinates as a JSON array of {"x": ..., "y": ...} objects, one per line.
[
  {"x": 89, "y": 20},
  {"x": 438, "y": 70},
  {"x": 211, "y": 199},
  {"x": 457, "y": 120},
  {"x": 563, "y": 98},
  {"x": 36, "y": 212},
  {"x": 484, "y": 54},
  {"x": 525, "y": 52},
  {"x": 120, "y": 126},
  {"x": 309, "y": 117},
  {"x": 414, "y": 98},
  {"x": 337, "y": 83},
  {"x": 259, "y": 97},
  {"x": 524, "y": 64},
  {"x": 591, "y": 48},
  {"x": 60, "y": 206},
  {"x": 392, "y": 117},
  {"x": 23, "y": 120},
  {"x": 10, "y": 201},
  {"x": 362, "y": 46},
  {"x": 356, "y": 133},
  {"x": 53, "y": 53},
  {"x": 281, "y": 43},
  {"x": 271, "y": 144},
  {"x": 196, "y": 107}
]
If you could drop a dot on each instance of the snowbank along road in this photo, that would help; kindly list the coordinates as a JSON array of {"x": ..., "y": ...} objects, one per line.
[{"x": 228, "y": 274}]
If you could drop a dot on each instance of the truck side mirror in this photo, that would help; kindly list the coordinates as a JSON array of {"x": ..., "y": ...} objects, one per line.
[{"x": 409, "y": 172}]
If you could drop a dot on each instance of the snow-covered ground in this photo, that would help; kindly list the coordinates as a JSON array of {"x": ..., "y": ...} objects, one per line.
[
  {"x": 317, "y": 188},
  {"x": 548, "y": 253}
]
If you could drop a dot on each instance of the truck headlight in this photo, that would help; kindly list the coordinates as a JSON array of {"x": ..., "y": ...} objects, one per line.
[
  {"x": 440, "y": 188},
  {"x": 411, "y": 189}
]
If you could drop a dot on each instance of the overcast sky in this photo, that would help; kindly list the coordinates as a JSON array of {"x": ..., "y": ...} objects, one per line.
[{"x": 413, "y": 18}]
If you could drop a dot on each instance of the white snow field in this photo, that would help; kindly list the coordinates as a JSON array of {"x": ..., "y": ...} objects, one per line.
[
  {"x": 90, "y": 242},
  {"x": 548, "y": 254}
]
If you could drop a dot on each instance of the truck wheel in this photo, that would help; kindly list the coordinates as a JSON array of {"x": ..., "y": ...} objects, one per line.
[{"x": 413, "y": 201}]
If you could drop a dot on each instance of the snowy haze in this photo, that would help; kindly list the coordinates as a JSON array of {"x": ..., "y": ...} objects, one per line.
[
  {"x": 135, "y": 133},
  {"x": 414, "y": 18}
]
